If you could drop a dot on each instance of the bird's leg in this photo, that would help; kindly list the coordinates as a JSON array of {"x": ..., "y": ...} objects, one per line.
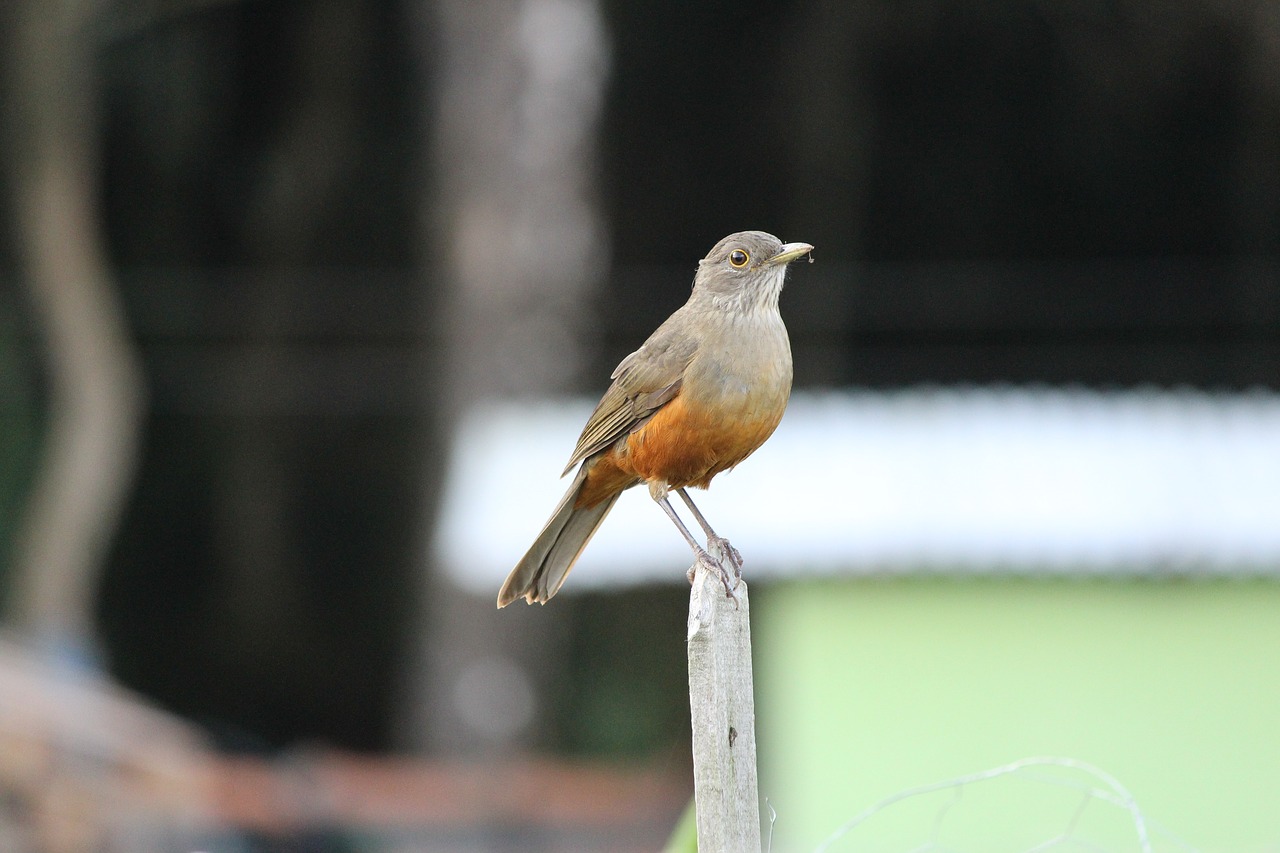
[
  {"x": 714, "y": 542},
  {"x": 658, "y": 491}
]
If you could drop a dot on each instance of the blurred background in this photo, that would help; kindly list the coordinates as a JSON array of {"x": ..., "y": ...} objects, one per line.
[{"x": 268, "y": 270}]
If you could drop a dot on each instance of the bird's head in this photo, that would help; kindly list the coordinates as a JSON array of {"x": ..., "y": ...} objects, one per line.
[{"x": 747, "y": 269}]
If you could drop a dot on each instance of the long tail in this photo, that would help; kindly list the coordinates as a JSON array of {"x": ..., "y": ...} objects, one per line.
[{"x": 542, "y": 570}]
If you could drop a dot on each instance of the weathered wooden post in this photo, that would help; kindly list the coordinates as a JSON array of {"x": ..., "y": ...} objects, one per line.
[{"x": 724, "y": 718}]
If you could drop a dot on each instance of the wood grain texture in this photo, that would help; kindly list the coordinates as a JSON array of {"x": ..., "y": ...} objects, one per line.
[{"x": 723, "y": 713}]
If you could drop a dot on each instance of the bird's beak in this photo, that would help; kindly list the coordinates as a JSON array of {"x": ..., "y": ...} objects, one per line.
[{"x": 788, "y": 253}]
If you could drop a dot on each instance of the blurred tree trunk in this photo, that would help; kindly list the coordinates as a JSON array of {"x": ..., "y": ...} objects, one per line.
[
  {"x": 516, "y": 234},
  {"x": 95, "y": 382}
]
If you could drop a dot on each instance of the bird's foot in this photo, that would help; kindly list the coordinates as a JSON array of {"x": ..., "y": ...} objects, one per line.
[
  {"x": 707, "y": 562},
  {"x": 720, "y": 547}
]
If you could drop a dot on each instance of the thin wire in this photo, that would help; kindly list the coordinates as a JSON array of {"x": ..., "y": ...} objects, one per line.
[{"x": 1118, "y": 795}]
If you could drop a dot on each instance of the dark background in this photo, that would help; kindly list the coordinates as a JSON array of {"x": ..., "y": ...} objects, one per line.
[{"x": 1003, "y": 192}]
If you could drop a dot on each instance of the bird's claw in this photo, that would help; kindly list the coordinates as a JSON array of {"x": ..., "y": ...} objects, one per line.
[
  {"x": 720, "y": 546},
  {"x": 709, "y": 563}
]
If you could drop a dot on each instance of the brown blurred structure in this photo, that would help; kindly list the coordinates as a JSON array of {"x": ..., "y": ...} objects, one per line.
[
  {"x": 408, "y": 804},
  {"x": 85, "y": 765}
]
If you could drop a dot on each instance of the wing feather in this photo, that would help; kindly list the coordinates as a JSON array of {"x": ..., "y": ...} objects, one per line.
[{"x": 643, "y": 382}]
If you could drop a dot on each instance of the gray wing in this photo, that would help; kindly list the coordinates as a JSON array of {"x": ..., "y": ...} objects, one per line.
[{"x": 642, "y": 383}]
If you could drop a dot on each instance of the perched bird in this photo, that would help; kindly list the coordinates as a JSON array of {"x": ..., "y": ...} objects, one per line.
[{"x": 699, "y": 396}]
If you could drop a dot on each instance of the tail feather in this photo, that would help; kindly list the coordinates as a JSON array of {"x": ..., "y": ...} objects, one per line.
[{"x": 539, "y": 574}]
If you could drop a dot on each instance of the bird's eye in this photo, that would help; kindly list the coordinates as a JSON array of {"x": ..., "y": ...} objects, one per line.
[{"x": 739, "y": 258}]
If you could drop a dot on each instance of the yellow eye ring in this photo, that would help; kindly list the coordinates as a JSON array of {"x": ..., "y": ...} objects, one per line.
[{"x": 739, "y": 258}]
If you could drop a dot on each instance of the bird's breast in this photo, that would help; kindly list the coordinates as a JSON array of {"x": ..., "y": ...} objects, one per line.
[{"x": 731, "y": 399}]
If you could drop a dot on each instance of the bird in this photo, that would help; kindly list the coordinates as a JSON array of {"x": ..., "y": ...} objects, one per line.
[{"x": 703, "y": 393}]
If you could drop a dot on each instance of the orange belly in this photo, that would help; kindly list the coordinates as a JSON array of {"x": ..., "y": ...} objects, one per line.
[{"x": 681, "y": 445}]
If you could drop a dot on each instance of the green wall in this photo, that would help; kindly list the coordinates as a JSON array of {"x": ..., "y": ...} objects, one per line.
[{"x": 870, "y": 687}]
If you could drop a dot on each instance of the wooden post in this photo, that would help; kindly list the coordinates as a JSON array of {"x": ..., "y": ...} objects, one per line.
[{"x": 724, "y": 719}]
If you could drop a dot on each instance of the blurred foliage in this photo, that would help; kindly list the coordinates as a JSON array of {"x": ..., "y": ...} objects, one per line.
[{"x": 626, "y": 691}]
